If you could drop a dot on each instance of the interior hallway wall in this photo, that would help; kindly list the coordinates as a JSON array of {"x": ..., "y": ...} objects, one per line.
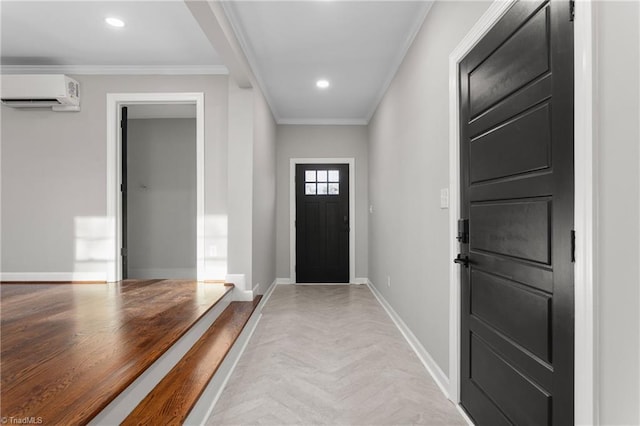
[
  {"x": 264, "y": 196},
  {"x": 54, "y": 178},
  {"x": 408, "y": 165},
  {"x": 618, "y": 211},
  {"x": 161, "y": 202},
  {"x": 324, "y": 141}
]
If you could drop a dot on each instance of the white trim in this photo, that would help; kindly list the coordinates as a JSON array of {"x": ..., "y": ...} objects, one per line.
[
  {"x": 214, "y": 389},
  {"x": 486, "y": 21},
  {"x": 238, "y": 280},
  {"x": 586, "y": 411},
  {"x": 359, "y": 281},
  {"x": 267, "y": 294},
  {"x": 114, "y": 211},
  {"x": 324, "y": 121},
  {"x": 352, "y": 210},
  {"x": 283, "y": 281},
  {"x": 53, "y": 276},
  {"x": 425, "y": 357},
  {"x": 585, "y": 383},
  {"x": 464, "y": 415},
  {"x": 118, "y": 409},
  {"x": 243, "y": 295},
  {"x": 401, "y": 53},
  {"x": 116, "y": 69},
  {"x": 239, "y": 33}
]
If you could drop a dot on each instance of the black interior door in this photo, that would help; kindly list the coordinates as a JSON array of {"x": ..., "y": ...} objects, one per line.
[
  {"x": 322, "y": 223},
  {"x": 123, "y": 191},
  {"x": 517, "y": 323}
]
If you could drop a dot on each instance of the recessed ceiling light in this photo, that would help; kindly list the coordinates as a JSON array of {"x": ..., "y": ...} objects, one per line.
[
  {"x": 114, "y": 22},
  {"x": 322, "y": 84}
]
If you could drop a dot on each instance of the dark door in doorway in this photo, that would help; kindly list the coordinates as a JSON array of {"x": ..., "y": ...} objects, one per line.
[
  {"x": 123, "y": 191},
  {"x": 322, "y": 223},
  {"x": 517, "y": 321}
]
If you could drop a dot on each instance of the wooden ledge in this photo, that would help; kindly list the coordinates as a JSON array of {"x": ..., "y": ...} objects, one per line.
[
  {"x": 68, "y": 350},
  {"x": 170, "y": 402}
]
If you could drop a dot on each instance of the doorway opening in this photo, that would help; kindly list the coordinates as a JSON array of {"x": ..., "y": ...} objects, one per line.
[
  {"x": 116, "y": 183},
  {"x": 158, "y": 191}
]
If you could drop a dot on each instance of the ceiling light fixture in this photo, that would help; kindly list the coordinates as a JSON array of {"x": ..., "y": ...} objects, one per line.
[
  {"x": 322, "y": 84},
  {"x": 115, "y": 22}
]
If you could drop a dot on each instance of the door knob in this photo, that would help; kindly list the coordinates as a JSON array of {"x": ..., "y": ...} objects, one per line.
[{"x": 462, "y": 260}]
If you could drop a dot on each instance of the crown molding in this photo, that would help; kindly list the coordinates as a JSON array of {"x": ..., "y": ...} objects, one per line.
[
  {"x": 236, "y": 26},
  {"x": 399, "y": 59},
  {"x": 116, "y": 69},
  {"x": 324, "y": 121}
]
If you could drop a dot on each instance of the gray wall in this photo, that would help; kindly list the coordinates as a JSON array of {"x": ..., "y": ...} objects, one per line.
[
  {"x": 322, "y": 142},
  {"x": 161, "y": 198},
  {"x": 618, "y": 215},
  {"x": 240, "y": 153},
  {"x": 54, "y": 171},
  {"x": 264, "y": 196},
  {"x": 408, "y": 164}
]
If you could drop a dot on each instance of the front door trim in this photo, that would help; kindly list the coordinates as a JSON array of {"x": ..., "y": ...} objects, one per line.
[
  {"x": 114, "y": 175},
  {"x": 292, "y": 210},
  {"x": 585, "y": 385}
]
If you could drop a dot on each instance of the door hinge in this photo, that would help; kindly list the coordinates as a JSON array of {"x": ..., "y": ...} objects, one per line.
[
  {"x": 121, "y": 124},
  {"x": 573, "y": 246},
  {"x": 572, "y": 10},
  {"x": 463, "y": 231},
  {"x": 122, "y": 188},
  {"x": 123, "y": 251}
]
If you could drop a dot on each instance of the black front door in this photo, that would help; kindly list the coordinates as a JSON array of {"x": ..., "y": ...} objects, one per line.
[
  {"x": 517, "y": 321},
  {"x": 322, "y": 223}
]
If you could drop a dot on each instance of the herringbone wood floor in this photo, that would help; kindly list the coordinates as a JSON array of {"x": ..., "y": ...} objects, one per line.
[{"x": 330, "y": 355}]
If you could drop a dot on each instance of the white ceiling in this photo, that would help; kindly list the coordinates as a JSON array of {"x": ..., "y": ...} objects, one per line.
[
  {"x": 75, "y": 33},
  {"x": 356, "y": 45}
]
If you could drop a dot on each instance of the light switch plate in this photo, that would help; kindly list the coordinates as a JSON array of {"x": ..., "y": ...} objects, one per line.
[{"x": 444, "y": 198}]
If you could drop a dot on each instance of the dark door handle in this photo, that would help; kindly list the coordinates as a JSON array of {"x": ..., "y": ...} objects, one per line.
[{"x": 462, "y": 260}]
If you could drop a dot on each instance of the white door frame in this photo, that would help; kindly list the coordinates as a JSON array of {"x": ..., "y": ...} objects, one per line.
[
  {"x": 585, "y": 383},
  {"x": 352, "y": 210},
  {"x": 114, "y": 170}
]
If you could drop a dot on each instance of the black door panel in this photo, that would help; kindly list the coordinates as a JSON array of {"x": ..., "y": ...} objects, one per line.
[
  {"x": 516, "y": 112},
  {"x": 322, "y": 223}
]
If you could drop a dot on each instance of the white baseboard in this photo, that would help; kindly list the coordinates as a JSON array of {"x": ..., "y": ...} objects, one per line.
[
  {"x": 267, "y": 294},
  {"x": 238, "y": 280},
  {"x": 204, "y": 407},
  {"x": 53, "y": 276},
  {"x": 427, "y": 360},
  {"x": 283, "y": 281},
  {"x": 464, "y": 415},
  {"x": 161, "y": 273},
  {"x": 243, "y": 295},
  {"x": 360, "y": 281}
]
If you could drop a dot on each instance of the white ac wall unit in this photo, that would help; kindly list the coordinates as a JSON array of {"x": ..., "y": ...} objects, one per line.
[{"x": 55, "y": 91}]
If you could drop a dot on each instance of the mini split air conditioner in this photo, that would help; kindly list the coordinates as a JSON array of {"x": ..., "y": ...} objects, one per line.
[{"x": 55, "y": 91}]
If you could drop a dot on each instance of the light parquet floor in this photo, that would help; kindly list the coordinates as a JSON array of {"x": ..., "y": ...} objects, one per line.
[{"x": 330, "y": 355}]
